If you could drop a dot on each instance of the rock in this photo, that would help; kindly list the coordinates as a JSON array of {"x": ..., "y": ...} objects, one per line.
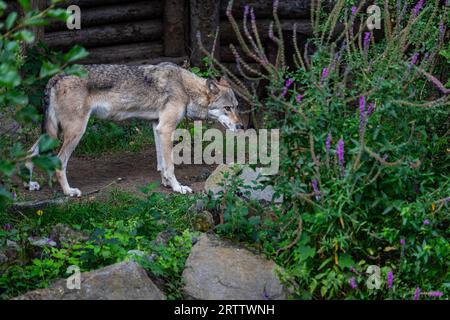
[
  {"x": 141, "y": 254},
  {"x": 64, "y": 234},
  {"x": 120, "y": 281},
  {"x": 198, "y": 206},
  {"x": 216, "y": 269},
  {"x": 203, "y": 221},
  {"x": 12, "y": 245},
  {"x": 42, "y": 242},
  {"x": 250, "y": 177},
  {"x": 3, "y": 258}
]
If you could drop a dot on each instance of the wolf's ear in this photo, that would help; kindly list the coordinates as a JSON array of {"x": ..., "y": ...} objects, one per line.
[{"x": 212, "y": 87}]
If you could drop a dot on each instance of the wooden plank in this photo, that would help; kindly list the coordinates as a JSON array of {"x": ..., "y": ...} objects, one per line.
[
  {"x": 205, "y": 18},
  {"x": 106, "y": 35},
  {"x": 227, "y": 34},
  {"x": 124, "y": 53},
  {"x": 90, "y": 3},
  {"x": 264, "y": 8},
  {"x": 174, "y": 14},
  {"x": 114, "y": 14}
]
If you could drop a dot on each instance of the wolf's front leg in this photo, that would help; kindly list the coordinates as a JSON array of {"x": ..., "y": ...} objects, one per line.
[{"x": 168, "y": 169}]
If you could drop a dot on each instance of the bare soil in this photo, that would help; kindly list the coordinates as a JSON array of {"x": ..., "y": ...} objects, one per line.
[{"x": 125, "y": 171}]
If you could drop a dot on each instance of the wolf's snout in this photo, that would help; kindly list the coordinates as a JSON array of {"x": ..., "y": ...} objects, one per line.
[{"x": 239, "y": 126}]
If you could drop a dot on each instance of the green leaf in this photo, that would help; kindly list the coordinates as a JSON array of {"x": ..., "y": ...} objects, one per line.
[
  {"x": 76, "y": 53},
  {"x": 27, "y": 114},
  {"x": 25, "y": 4},
  {"x": 25, "y": 35},
  {"x": 346, "y": 261},
  {"x": 16, "y": 98},
  {"x": 60, "y": 14},
  {"x": 47, "y": 143},
  {"x": 47, "y": 163},
  {"x": 9, "y": 22},
  {"x": 48, "y": 69},
  {"x": 7, "y": 167}
]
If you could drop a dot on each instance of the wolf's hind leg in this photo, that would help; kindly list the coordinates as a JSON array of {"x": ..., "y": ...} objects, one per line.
[
  {"x": 34, "y": 151},
  {"x": 73, "y": 132}
]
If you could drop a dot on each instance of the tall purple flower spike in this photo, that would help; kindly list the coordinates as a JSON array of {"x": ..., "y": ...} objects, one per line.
[
  {"x": 418, "y": 7},
  {"x": 328, "y": 143},
  {"x": 417, "y": 294},
  {"x": 390, "y": 279},
  {"x": 366, "y": 41},
  {"x": 340, "y": 152}
]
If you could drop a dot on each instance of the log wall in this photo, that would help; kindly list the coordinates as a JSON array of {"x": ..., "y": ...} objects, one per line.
[{"x": 150, "y": 31}]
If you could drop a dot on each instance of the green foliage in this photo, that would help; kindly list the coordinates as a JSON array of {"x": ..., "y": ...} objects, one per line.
[
  {"x": 363, "y": 157},
  {"x": 114, "y": 227},
  {"x": 20, "y": 75}
]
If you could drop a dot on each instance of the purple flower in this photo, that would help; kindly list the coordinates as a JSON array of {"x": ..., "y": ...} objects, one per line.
[
  {"x": 7, "y": 227},
  {"x": 299, "y": 98},
  {"x": 418, "y": 7},
  {"x": 324, "y": 74},
  {"x": 417, "y": 294},
  {"x": 362, "y": 113},
  {"x": 14, "y": 195},
  {"x": 414, "y": 59},
  {"x": 246, "y": 10},
  {"x": 289, "y": 82},
  {"x": 366, "y": 41},
  {"x": 252, "y": 16},
  {"x": 275, "y": 4},
  {"x": 390, "y": 279},
  {"x": 435, "y": 294},
  {"x": 340, "y": 152},
  {"x": 354, "y": 10},
  {"x": 426, "y": 222},
  {"x": 402, "y": 242},
  {"x": 441, "y": 29},
  {"x": 371, "y": 108},
  {"x": 315, "y": 188},
  {"x": 352, "y": 283},
  {"x": 328, "y": 143}
]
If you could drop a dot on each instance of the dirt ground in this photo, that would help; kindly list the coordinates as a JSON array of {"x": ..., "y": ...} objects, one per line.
[{"x": 125, "y": 171}]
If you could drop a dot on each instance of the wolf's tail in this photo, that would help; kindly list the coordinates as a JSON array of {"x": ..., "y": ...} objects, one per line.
[{"x": 50, "y": 121}]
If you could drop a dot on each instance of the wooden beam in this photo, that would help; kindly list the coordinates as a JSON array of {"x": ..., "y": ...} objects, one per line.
[
  {"x": 120, "y": 33},
  {"x": 124, "y": 53},
  {"x": 227, "y": 34},
  {"x": 205, "y": 18},
  {"x": 174, "y": 45},
  {"x": 264, "y": 8},
  {"x": 111, "y": 14}
]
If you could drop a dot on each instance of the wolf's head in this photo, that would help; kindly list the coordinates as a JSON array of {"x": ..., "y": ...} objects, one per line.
[{"x": 223, "y": 104}]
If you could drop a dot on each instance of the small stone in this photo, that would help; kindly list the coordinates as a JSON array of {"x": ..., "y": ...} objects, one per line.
[
  {"x": 203, "y": 221},
  {"x": 42, "y": 242}
]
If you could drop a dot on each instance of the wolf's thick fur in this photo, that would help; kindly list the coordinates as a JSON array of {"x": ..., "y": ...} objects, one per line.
[{"x": 162, "y": 93}]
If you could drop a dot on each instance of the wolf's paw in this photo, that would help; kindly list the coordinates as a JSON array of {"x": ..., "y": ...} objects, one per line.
[
  {"x": 182, "y": 189},
  {"x": 73, "y": 192},
  {"x": 33, "y": 186}
]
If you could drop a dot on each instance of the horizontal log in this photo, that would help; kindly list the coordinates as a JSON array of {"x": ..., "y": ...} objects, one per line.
[
  {"x": 106, "y": 35},
  {"x": 264, "y": 8},
  {"x": 227, "y": 34},
  {"x": 114, "y": 14},
  {"x": 124, "y": 53},
  {"x": 89, "y": 3},
  {"x": 177, "y": 60}
]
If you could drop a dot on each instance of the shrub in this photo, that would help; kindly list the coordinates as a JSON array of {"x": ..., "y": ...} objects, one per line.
[{"x": 363, "y": 126}]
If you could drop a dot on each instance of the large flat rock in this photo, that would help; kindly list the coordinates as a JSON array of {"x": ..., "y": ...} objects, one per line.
[
  {"x": 217, "y": 270},
  {"x": 120, "y": 281}
]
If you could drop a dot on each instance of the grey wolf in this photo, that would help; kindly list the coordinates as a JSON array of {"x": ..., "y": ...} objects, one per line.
[{"x": 162, "y": 93}]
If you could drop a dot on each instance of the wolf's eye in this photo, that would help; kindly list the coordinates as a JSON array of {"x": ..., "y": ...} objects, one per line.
[{"x": 227, "y": 108}]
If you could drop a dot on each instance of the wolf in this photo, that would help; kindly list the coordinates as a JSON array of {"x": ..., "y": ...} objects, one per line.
[{"x": 162, "y": 94}]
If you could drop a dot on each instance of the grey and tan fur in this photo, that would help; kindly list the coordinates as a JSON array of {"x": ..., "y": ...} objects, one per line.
[{"x": 162, "y": 93}]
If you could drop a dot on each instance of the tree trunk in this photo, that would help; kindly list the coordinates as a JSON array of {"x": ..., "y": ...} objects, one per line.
[
  {"x": 205, "y": 18},
  {"x": 174, "y": 28}
]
